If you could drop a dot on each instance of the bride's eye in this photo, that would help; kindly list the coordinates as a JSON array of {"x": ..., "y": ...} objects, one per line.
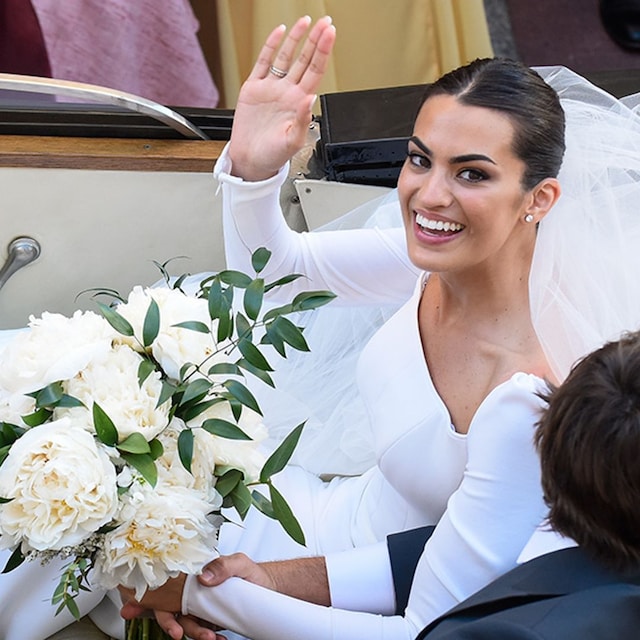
[
  {"x": 418, "y": 160},
  {"x": 473, "y": 175}
]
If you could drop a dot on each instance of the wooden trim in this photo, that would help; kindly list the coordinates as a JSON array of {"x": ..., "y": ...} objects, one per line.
[{"x": 118, "y": 154}]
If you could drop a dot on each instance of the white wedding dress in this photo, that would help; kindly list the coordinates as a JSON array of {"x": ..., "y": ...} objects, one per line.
[
  {"x": 482, "y": 488},
  {"x": 486, "y": 506}
]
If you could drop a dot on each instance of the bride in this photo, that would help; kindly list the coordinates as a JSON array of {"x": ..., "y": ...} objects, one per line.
[{"x": 499, "y": 292}]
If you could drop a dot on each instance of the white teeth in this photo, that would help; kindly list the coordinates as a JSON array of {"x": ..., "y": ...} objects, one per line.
[{"x": 437, "y": 225}]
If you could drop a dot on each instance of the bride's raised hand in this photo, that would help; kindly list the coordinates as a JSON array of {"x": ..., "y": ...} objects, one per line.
[{"x": 273, "y": 111}]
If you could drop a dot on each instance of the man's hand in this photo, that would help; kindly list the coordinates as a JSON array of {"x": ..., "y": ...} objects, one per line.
[
  {"x": 302, "y": 578},
  {"x": 165, "y": 603}
]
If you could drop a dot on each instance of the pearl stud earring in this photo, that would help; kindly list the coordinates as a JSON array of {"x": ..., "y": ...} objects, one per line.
[{"x": 528, "y": 217}]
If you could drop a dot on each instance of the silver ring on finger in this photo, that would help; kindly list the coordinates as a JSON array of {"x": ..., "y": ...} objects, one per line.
[{"x": 279, "y": 73}]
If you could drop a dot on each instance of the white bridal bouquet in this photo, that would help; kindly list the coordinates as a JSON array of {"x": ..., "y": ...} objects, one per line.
[{"x": 124, "y": 433}]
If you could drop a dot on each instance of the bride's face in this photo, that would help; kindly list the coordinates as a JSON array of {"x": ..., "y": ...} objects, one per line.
[{"x": 461, "y": 188}]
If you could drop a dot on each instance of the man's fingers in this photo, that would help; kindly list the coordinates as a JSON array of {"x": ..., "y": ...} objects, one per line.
[{"x": 217, "y": 571}]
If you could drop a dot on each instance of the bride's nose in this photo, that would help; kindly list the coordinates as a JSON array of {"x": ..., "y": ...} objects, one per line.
[{"x": 434, "y": 190}]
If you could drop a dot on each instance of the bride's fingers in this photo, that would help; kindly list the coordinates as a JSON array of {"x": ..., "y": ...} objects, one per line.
[
  {"x": 271, "y": 45},
  {"x": 275, "y": 52},
  {"x": 315, "y": 51},
  {"x": 286, "y": 52}
]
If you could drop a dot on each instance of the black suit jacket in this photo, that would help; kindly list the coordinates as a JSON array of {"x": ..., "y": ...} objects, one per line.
[{"x": 563, "y": 595}]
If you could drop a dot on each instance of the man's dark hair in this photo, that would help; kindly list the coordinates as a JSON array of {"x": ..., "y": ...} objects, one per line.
[{"x": 589, "y": 445}]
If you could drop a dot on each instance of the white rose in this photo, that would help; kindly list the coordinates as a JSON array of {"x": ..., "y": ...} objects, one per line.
[
  {"x": 63, "y": 487},
  {"x": 246, "y": 455},
  {"x": 161, "y": 532},
  {"x": 112, "y": 382},
  {"x": 174, "y": 346}
]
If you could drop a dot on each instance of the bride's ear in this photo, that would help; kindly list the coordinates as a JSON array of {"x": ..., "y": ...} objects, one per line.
[{"x": 542, "y": 198}]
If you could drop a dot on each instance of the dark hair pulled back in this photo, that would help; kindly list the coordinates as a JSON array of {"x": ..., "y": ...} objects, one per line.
[{"x": 520, "y": 93}]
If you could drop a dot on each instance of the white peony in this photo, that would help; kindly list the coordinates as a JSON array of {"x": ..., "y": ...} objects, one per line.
[
  {"x": 245, "y": 455},
  {"x": 15, "y": 405},
  {"x": 54, "y": 348},
  {"x": 161, "y": 532},
  {"x": 174, "y": 346},
  {"x": 112, "y": 381},
  {"x": 63, "y": 487}
]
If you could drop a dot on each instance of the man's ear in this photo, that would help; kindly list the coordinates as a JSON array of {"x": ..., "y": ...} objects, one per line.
[{"x": 542, "y": 198}]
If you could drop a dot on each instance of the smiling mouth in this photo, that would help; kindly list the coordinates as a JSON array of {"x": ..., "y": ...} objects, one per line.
[{"x": 438, "y": 227}]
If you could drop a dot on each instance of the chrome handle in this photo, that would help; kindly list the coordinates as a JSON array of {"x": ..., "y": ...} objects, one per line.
[
  {"x": 33, "y": 84},
  {"x": 22, "y": 251}
]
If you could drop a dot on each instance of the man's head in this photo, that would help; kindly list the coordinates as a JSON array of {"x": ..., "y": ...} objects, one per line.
[{"x": 589, "y": 445}]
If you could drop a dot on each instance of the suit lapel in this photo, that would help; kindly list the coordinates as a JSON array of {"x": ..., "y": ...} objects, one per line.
[{"x": 554, "y": 574}]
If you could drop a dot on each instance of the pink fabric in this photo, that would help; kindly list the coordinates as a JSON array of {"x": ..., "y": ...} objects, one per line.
[{"x": 146, "y": 47}]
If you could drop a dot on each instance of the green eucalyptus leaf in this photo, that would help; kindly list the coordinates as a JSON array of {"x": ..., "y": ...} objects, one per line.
[
  {"x": 253, "y": 297},
  {"x": 151, "y": 324},
  {"x": 259, "y": 259},
  {"x": 119, "y": 323},
  {"x": 185, "y": 448},
  {"x": 214, "y": 299},
  {"x": 193, "y": 325},
  {"x": 263, "y": 504},
  {"x": 15, "y": 560},
  {"x": 235, "y": 278},
  {"x": 292, "y": 277},
  {"x": 252, "y": 354},
  {"x": 167, "y": 391},
  {"x": 241, "y": 499},
  {"x": 258, "y": 373},
  {"x": 194, "y": 410},
  {"x": 105, "y": 429},
  {"x": 145, "y": 369},
  {"x": 226, "y": 483},
  {"x": 144, "y": 464},
  {"x": 37, "y": 418},
  {"x": 291, "y": 334},
  {"x": 285, "y": 516},
  {"x": 225, "y": 369},
  {"x": 71, "y": 605},
  {"x": 50, "y": 395},
  {"x": 195, "y": 391},
  {"x": 273, "y": 338},
  {"x": 69, "y": 402},
  {"x": 242, "y": 395},
  {"x": 156, "y": 448},
  {"x": 276, "y": 312},
  {"x": 134, "y": 443},
  {"x": 224, "y": 429},
  {"x": 281, "y": 456},
  {"x": 308, "y": 300},
  {"x": 225, "y": 321},
  {"x": 244, "y": 328}
]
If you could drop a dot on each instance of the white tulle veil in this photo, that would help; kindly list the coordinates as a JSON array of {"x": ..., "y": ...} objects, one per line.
[{"x": 584, "y": 286}]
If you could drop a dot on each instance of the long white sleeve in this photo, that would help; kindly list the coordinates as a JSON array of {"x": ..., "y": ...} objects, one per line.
[
  {"x": 266, "y": 615},
  {"x": 488, "y": 521},
  {"x": 361, "y": 266}
]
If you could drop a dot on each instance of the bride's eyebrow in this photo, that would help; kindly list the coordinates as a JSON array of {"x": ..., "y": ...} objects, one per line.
[
  {"x": 421, "y": 145},
  {"x": 468, "y": 157}
]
